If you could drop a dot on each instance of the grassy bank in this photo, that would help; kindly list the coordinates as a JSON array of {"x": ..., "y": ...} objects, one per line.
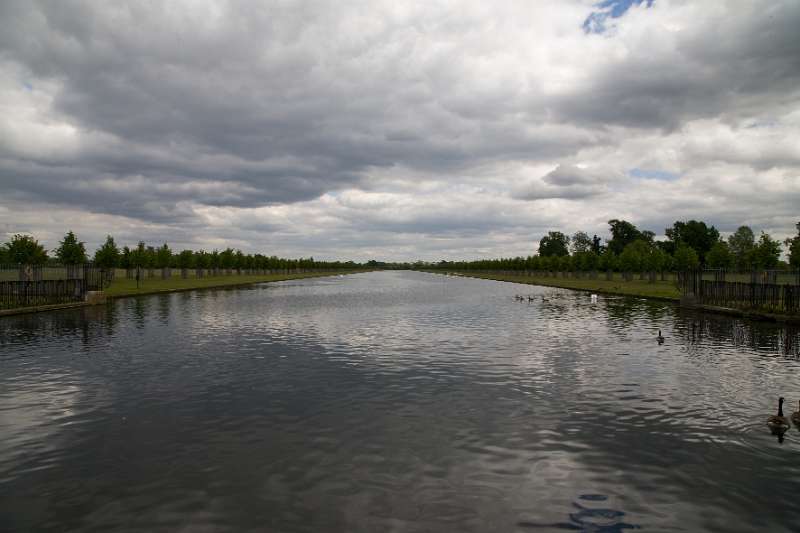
[
  {"x": 666, "y": 290},
  {"x": 127, "y": 287}
]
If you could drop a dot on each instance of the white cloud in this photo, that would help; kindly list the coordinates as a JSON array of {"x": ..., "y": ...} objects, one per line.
[{"x": 401, "y": 130}]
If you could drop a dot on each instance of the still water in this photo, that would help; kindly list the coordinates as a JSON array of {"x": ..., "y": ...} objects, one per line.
[{"x": 394, "y": 401}]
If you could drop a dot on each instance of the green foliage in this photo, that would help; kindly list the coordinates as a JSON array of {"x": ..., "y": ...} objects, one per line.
[
  {"x": 226, "y": 258},
  {"x": 138, "y": 255},
  {"x": 719, "y": 256},
  {"x": 202, "y": 259},
  {"x": 656, "y": 260},
  {"x": 554, "y": 244},
  {"x": 766, "y": 252},
  {"x": 581, "y": 242},
  {"x": 163, "y": 257},
  {"x": 26, "y": 250},
  {"x": 634, "y": 257},
  {"x": 793, "y": 247},
  {"x": 586, "y": 261},
  {"x": 694, "y": 234},
  {"x": 685, "y": 257},
  {"x": 741, "y": 245},
  {"x": 608, "y": 261},
  {"x": 107, "y": 256},
  {"x": 624, "y": 233},
  {"x": 186, "y": 259},
  {"x": 71, "y": 251}
]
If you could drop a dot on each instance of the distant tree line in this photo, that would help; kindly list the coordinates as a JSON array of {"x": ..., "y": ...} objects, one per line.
[
  {"x": 689, "y": 245},
  {"x": 26, "y": 250}
]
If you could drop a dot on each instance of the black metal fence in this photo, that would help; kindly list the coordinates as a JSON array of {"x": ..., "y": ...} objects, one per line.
[
  {"x": 773, "y": 291},
  {"x": 36, "y": 285}
]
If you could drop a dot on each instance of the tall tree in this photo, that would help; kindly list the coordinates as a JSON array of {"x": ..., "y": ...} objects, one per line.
[
  {"x": 186, "y": 259},
  {"x": 597, "y": 245},
  {"x": 685, "y": 257},
  {"x": 766, "y": 253},
  {"x": 163, "y": 256},
  {"x": 793, "y": 248},
  {"x": 623, "y": 233},
  {"x": 719, "y": 256},
  {"x": 695, "y": 234},
  {"x": 70, "y": 250},
  {"x": 107, "y": 256},
  {"x": 138, "y": 256},
  {"x": 554, "y": 244},
  {"x": 741, "y": 244},
  {"x": 26, "y": 250},
  {"x": 581, "y": 242}
]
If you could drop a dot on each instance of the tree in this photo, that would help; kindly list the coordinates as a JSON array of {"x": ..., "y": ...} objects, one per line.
[
  {"x": 226, "y": 258},
  {"x": 163, "y": 256},
  {"x": 581, "y": 243},
  {"x": 107, "y": 256},
  {"x": 597, "y": 246},
  {"x": 634, "y": 257},
  {"x": 125, "y": 260},
  {"x": 608, "y": 260},
  {"x": 766, "y": 253},
  {"x": 186, "y": 259},
  {"x": 554, "y": 244},
  {"x": 150, "y": 257},
  {"x": 741, "y": 245},
  {"x": 793, "y": 247},
  {"x": 685, "y": 257},
  {"x": 26, "y": 250},
  {"x": 694, "y": 234},
  {"x": 623, "y": 233},
  {"x": 138, "y": 256},
  {"x": 719, "y": 256},
  {"x": 70, "y": 250}
]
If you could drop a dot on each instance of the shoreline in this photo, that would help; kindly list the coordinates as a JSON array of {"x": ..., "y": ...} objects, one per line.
[
  {"x": 546, "y": 282},
  {"x": 218, "y": 282}
]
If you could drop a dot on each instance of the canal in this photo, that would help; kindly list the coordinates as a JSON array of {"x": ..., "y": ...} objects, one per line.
[{"x": 395, "y": 401}]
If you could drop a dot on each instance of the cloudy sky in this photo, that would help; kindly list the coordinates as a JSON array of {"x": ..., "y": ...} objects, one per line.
[{"x": 395, "y": 130}]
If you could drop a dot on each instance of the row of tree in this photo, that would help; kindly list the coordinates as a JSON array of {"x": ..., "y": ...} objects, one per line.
[
  {"x": 26, "y": 250},
  {"x": 689, "y": 245}
]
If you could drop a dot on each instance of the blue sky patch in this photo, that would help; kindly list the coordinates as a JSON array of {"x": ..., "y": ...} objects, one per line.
[
  {"x": 662, "y": 175},
  {"x": 596, "y": 21}
]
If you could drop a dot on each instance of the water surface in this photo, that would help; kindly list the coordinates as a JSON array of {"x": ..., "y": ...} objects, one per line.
[{"x": 394, "y": 401}]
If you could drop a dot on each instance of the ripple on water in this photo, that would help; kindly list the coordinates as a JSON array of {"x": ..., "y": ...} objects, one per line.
[{"x": 394, "y": 400}]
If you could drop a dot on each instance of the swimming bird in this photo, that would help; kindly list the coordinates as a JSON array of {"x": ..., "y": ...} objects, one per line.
[
  {"x": 660, "y": 338},
  {"x": 796, "y": 416},
  {"x": 778, "y": 423}
]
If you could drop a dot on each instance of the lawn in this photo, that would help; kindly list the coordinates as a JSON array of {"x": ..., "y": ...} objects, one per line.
[
  {"x": 659, "y": 289},
  {"x": 127, "y": 287}
]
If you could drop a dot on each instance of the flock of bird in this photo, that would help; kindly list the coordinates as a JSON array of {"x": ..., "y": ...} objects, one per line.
[{"x": 779, "y": 423}]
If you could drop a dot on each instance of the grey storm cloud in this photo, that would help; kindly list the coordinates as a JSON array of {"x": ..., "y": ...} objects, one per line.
[
  {"x": 568, "y": 182},
  {"x": 257, "y": 117}
]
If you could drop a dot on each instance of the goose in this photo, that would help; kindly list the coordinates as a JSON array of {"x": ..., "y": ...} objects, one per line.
[
  {"x": 778, "y": 423},
  {"x": 660, "y": 338},
  {"x": 796, "y": 416}
]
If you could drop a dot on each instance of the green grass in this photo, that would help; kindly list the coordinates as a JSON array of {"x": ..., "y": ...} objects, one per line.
[
  {"x": 659, "y": 289},
  {"x": 121, "y": 287}
]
